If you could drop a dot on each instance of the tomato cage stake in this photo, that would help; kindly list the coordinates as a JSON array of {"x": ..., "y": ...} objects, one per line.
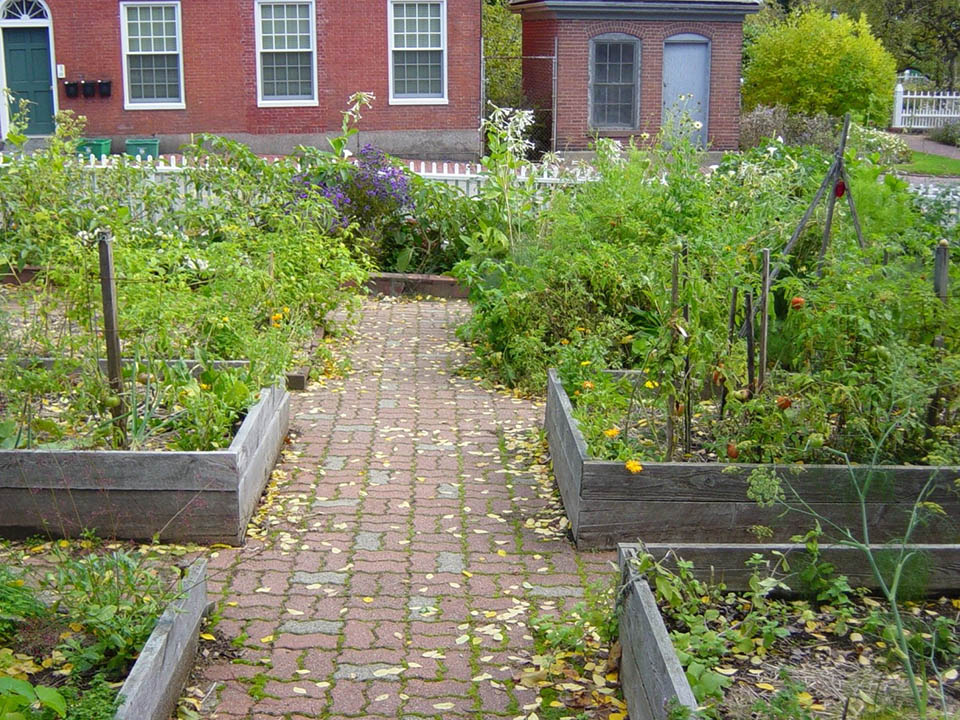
[{"x": 838, "y": 181}]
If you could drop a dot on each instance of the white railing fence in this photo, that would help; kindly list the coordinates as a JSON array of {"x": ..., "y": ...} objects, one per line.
[
  {"x": 914, "y": 110},
  {"x": 466, "y": 177}
]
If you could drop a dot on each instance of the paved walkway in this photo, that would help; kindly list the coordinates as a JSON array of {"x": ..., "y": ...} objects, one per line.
[
  {"x": 921, "y": 143},
  {"x": 409, "y": 537}
]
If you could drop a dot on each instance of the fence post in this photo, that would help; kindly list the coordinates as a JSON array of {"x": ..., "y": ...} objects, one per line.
[{"x": 898, "y": 106}]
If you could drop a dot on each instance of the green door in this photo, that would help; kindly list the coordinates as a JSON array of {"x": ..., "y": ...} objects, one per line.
[{"x": 26, "y": 59}]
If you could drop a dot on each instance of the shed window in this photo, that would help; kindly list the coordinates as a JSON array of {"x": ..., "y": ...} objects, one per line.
[{"x": 614, "y": 81}]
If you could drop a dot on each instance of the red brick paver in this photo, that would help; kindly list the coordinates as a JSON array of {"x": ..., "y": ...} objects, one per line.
[{"x": 400, "y": 556}]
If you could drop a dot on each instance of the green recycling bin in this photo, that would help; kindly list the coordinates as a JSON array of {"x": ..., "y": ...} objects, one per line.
[
  {"x": 98, "y": 147},
  {"x": 144, "y": 147}
]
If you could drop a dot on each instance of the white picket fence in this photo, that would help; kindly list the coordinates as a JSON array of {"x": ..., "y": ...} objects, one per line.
[
  {"x": 924, "y": 110},
  {"x": 468, "y": 177}
]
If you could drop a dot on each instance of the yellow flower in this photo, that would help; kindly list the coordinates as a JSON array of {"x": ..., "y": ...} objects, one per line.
[
  {"x": 651, "y": 384},
  {"x": 612, "y": 432},
  {"x": 204, "y": 386},
  {"x": 564, "y": 341},
  {"x": 225, "y": 319},
  {"x": 286, "y": 309},
  {"x": 633, "y": 466},
  {"x": 585, "y": 363},
  {"x": 587, "y": 385}
]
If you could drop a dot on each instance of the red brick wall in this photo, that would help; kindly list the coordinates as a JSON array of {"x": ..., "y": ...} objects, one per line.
[
  {"x": 219, "y": 61},
  {"x": 573, "y": 131}
]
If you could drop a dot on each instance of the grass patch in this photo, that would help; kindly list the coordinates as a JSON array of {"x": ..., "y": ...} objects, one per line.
[{"x": 927, "y": 164}]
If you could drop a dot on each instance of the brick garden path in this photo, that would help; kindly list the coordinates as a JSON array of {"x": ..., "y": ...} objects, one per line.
[{"x": 403, "y": 547}]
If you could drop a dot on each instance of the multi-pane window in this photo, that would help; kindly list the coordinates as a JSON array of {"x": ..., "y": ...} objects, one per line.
[
  {"x": 613, "y": 82},
  {"x": 151, "y": 37},
  {"x": 287, "y": 56},
  {"x": 418, "y": 50}
]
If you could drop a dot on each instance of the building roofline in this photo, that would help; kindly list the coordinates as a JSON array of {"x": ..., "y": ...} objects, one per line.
[{"x": 638, "y": 9}]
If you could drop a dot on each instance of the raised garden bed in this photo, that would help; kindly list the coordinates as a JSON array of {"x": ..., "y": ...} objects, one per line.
[
  {"x": 650, "y": 672},
  {"x": 153, "y": 686},
  {"x": 705, "y": 503},
  {"x": 179, "y": 496},
  {"x": 394, "y": 284}
]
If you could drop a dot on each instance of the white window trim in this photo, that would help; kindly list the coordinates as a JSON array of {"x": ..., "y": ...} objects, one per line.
[
  {"x": 127, "y": 103},
  {"x": 637, "y": 80},
  {"x": 297, "y": 102},
  {"x": 445, "y": 100}
]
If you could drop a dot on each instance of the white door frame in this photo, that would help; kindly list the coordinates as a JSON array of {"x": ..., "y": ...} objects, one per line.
[{"x": 47, "y": 23}]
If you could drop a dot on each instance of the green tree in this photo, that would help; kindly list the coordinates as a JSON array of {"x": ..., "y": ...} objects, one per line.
[
  {"x": 921, "y": 34},
  {"x": 813, "y": 63},
  {"x": 502, "y": 47}
]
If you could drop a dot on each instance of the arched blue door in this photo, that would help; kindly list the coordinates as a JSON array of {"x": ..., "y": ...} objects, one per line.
[{"x": 686, "y": 81}]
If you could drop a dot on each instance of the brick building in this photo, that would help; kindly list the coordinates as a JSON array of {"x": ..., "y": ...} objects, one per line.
[
  {"x": 624, "y": 66},
  {"x": 271, "y": 73}
]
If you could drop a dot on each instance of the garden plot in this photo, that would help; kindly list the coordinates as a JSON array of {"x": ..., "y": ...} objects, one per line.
[
  {"x": 707, "y": 506},
  {"x": 690, "y": 643},
  {"x": 99, "y": 631}
]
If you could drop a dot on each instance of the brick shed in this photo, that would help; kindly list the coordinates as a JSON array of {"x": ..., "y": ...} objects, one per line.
[
  {"x": 623, "y": 66},
  {"x": 272, "y": 73}
]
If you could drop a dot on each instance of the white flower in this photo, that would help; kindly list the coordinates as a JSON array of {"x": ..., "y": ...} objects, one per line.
[{"x": 698, "y": 125}]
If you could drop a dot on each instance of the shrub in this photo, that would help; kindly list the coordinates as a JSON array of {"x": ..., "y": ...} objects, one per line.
[
  {"x": 812, "y": 64},
  {"x": 948, "y": 134},
  {"x": 764, "y": 122}
]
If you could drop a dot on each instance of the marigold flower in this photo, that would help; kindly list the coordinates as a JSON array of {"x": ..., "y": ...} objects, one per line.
[
  {"x": 587, "y": 385},
  {"x": 564, "y": 341},
  {"x": 633, "y": 466},
  {"x": 612, "y": 432},
  {"x": 277, "y": 317}
]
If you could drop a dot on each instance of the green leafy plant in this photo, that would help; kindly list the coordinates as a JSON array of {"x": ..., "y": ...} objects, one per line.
[{"x": 18, "y": 697}]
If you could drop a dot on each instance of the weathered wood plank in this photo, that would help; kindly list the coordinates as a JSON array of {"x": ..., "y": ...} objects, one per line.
[
  {"x": 567, "y": 449},
  {"x": 605, "y": 523},
  {"x": 254, "y": 426},
  {"x": 153, "y": 686},
  {"x": 256, "y": 471},
  {"x": 938, "y": 564},
  {"x": 178, "y": 516},
  {"x": 647, "y": 647},
  {"x": 714, "y": 482},
  {"x": 109, "y": 469}
]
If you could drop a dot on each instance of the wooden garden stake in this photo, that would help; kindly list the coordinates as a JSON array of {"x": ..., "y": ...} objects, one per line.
[
  {"x": 687, "y": 410},
  {"x": 674, "y": 298},
  {"x": 941, "y": 266},
  {"x": 751, "y": 375},
  {"x": 731, "y": 331},
  {"x": 108, "y": 290},
  {"x": 764, "y": 317}
]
